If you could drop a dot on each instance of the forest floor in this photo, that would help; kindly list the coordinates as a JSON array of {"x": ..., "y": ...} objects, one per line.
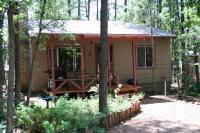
[{"x": 163, "y": 114}]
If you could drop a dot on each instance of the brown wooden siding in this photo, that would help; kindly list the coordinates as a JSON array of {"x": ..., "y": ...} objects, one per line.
[
  {"x": 89, "y": 56},
  {"x": 122, "y": 56}
]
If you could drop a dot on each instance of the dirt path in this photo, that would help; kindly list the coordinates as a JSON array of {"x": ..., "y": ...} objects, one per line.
[{"x": 161, "y": 114}]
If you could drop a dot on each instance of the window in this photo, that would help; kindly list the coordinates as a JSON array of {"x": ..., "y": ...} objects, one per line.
[
  {"x": 70, "y": 58},
  {"x": 144, "y": 56}
]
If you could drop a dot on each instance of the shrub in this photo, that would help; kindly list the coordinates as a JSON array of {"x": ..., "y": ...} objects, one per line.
[
  {"x": 68, "y": 115},
  {"x": 193, "y": 89}
]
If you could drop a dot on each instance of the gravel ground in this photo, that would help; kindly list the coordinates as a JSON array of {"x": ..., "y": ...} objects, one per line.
[{"x": 160, "y": 114}]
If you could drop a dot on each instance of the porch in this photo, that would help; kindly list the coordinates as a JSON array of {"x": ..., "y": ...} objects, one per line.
[{"x": 67, "y": 72}]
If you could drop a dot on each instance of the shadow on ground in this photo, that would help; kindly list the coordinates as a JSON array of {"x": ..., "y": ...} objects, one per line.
[
  {"x": 155, "y": 126},
  {"x": 154, "y": 99}
]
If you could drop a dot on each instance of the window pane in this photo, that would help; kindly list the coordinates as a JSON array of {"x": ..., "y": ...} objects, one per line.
[
  {"x": 141, "y": 56},
  {"x": 70, "y": 59},
  {"x": 148, "y": 56}
]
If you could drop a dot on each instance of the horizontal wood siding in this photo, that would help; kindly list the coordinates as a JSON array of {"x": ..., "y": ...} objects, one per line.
[
  {"x": 25, "y": 65},
  {"x": 123, "y": 61},
  {"x": 162, "y": 66},
  {"x": 40, "y": 78},
  {"x": 89, "y": 56},
  {"x": 122, "y": 52}
]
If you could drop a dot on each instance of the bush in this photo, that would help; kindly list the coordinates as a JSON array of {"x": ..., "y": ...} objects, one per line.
[
  {"x": 193, "y": 89},
  {"x": 68, "y": 115}
]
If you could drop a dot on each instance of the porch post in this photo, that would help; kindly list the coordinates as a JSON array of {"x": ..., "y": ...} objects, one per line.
[
  {"x": 82, "y": 67},
  {"x": 109, "y": 81},
  {"x": 134, "y": 62},
  {"x": 53, "y": 69}
]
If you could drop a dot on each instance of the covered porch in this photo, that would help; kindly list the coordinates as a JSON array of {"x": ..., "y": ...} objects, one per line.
[{"x": 66, "y": 63}]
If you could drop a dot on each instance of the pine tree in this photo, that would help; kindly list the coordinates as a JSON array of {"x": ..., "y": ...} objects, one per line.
[
  {"x": 17, "y": 58},
  {"x": 38, "y": 40},
  {"x": 2, "y": 74},
  {"x": 11, "y": 62},
  {"x": 103, "y": 88}
]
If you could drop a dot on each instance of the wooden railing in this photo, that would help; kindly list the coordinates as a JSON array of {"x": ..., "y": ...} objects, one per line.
[{"x": 75, "y": 82}]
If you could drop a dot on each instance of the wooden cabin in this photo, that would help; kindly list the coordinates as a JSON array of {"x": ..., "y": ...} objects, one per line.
[{"x": 67, "y": 59}]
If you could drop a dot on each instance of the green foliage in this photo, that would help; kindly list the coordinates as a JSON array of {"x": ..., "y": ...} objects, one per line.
[
  {"x": 137, "y": 12},
  {"x": 69, "y": 115},
  {"x": 193, "y": 89},
  {"x": 31, "y": 117}
]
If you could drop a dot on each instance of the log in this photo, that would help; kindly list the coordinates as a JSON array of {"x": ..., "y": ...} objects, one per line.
[
  {"x": 115, "y": 118},
  {"x": 110, "y": 120},
  {"x": 130, "y": 112}
]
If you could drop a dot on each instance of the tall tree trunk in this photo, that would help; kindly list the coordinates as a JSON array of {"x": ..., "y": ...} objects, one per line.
[
  {"x": 11, "y": 62},
  {"x": 182, "y": 29},
  {"x": 97, "y": 14},
  {"x": 30, "y": 86},
  {"x": 170, "y": 15},
  {"x": 79, "y": 9},
  {"x": 69, "y": 8},
  {"x": 88, "y": 15},
  {"x": 196, "y": 57},
  {"x": 125, "y": 4},
  {"x": 115, "y": 10},
  {"x": 2, "y": 73},
  {"x": 86, "y": 8},
  {"x": 159, "y": 10},
  {"x": 176, "y": 16},
  {"x": 103, "y": 88},
  {"x": 17, "y": 61}
]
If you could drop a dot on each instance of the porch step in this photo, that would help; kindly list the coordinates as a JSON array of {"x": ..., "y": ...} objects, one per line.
[{"x": 129, "y": 89}]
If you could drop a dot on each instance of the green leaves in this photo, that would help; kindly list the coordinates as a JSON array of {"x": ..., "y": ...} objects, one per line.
[{"x": 68, "y": 115}]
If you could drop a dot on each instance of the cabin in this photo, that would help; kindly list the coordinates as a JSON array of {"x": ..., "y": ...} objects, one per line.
[{"x": 67, "y": 59}]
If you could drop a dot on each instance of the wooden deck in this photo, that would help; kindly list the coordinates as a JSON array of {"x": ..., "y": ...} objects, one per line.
[{"x": 125, "y": 89}]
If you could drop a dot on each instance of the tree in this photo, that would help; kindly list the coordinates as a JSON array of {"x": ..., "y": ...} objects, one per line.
[
  {"x": 86, "y": 8},
  {"x": 69, "y": 8},
  {"x": 138, "y": 12},
  {"x": 125, "y": 4},
  {"x": 38, "y": 40},
  {"x": 88, "y": 15},
  {"x": 115, "y": 10},
  {"x": 17, "y": 57},
  {"x": 79, "y": 9},
  {"x": 11, "y": 62},
  {"x": 159, "y": 11},
  {"x": 97, "y": 14},
  {"x": 193, "y": 29},
  {"x": 196, "y": 58},
  {"x": 2, "y": 74},
  {"x": 103, "y": 73}
]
